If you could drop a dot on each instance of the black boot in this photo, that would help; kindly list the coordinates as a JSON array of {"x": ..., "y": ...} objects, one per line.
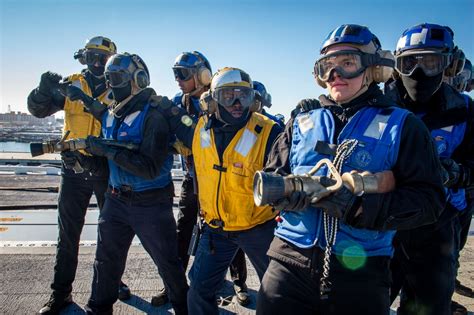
[
  {"x": 161, "y": 298},
  {"x": 55, "y": 304},
  {"x": 124, "y": 292},
  {"x": 241, "y": 291}
]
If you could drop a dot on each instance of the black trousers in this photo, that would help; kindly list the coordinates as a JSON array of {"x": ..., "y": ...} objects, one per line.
[
  {"x": 423, "y": 269},
  {"x": 290, "y": 289},
  {"x": 148, "y": 215},
  {"x": 187, "y": 216},
  {"x": 74, "y": 197}
]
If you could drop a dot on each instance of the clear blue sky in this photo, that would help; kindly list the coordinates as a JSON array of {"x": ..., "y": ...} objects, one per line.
[{"x": 275, "y": 41}]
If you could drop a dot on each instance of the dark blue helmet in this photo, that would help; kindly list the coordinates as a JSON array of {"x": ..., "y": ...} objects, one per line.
[
  {"x": 426, "y": 37},
  {"x": 266, "y": 97},
  {"x": 352, "y": 34},
  {"x": 123, "y": 68},
  {"x": 193, "y": 64}
]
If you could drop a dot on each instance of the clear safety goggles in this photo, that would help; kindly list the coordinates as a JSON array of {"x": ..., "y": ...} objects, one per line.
[
  {"x": 228, "y": 96},
  {"x": 183, "y": 74},
  {"x": 431, "y": 63},
  {"x": 92, "y": 57},
  {"x": 347, "y": 63},
  {"x": 117, "y": 79}
]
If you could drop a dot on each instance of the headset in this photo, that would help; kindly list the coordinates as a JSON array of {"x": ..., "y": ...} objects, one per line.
[
  {"x": 203, "y": 69},
  {"x": 141, "y": 75}
]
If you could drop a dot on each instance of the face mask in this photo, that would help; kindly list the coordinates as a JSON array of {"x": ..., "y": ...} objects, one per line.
[
  {"x": 97, "y": 71},
  {"x": 421, "y": 87},
  {"x": 227, "y": 117},
  {"x": 122, "y": 93}
]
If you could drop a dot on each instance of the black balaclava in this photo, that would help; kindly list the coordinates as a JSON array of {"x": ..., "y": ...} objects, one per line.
[
  {"x": 122, "y": 93},
  {"x": 96, "y": 71},
  {"x": 421, "y": 87},
  {"x": 227, "y": 117}
]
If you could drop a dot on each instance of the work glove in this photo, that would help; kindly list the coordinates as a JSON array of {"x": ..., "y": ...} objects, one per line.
[
  {"x": 342, "y": 204},
  {"x": 96, "y": 147},
  {"x": 164, "y": 105},
  {"x": 76, "y": 94},
  {"x": 297, "y": 201},
  {"x": 455, "y": 175},
  {"x": 70, "y": 158},
  {"x": 49, "y": 81},
  {"x": 305, "y": 105}
]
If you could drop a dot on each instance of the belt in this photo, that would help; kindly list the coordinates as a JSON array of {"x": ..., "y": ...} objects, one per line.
[{"x": 125, "y": 191}]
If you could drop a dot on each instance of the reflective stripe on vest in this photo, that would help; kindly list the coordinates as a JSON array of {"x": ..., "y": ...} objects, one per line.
[
  {"x": 79, "y": 122},
  {"x": 226, "y": 190},
  {"x": 131, "y": 131},
  {"x": 378, "y": 132}
]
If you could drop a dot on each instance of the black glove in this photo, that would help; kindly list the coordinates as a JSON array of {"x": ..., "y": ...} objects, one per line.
[
  {"x": 296, "y": 202},
  {"x": 305, "y": 105},
  {"x": 164, "y": 105},
  {"x": 342, "y": 204},
  {"x": 70, "y": 158},
  {"x": 49, "y": 81},
  {"x": 74, "y": 93},
  {"x": 96, "y": 147},
  {"x": 454, "y": 174}
]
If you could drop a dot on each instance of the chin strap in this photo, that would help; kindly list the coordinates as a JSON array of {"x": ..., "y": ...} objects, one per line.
[{"x": 115, "y": 107}]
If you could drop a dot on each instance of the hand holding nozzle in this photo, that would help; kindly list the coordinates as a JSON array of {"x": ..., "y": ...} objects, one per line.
[{"x": 296, "y": 192}]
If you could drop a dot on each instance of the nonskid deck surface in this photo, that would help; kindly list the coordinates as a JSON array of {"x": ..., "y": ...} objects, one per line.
[{"x": 27, "y": 248}]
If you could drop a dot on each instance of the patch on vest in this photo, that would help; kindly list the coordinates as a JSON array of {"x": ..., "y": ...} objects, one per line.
[
  {"x": 130, "y": 118},
  {"x": 205, "y": 138},
  {"x": 109, "y": 121},
  {"x": 246, "y": 142},
  {"x": 377, "y": 126},
  {"x": 305, "y": 123},
  {"x": 362, "y": 158},
  {"x": 441, "y": 144}
]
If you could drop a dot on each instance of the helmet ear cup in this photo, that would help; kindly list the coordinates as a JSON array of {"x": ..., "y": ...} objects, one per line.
[
  {"x": 457, "y": 64},
  {"x": 207, "y": 103},
  {"x": 204, "y": 76},
  {"x": 382, "y": 74},
  {"x": 140, "y": 77}
]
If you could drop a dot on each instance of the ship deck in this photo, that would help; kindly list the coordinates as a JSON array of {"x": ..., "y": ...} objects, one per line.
[{"x": 27, "y": 249}]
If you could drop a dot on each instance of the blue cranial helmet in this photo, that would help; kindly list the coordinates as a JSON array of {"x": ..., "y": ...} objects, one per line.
[
  {"x": 190, "y": 65},
  {"x": 352, "y": 34},
  {"x": 123, "y": 68},
  {"x": 431, "y": 48},
  {"x": 426, "y": 37},
  {"x": 266, "y": 97}
]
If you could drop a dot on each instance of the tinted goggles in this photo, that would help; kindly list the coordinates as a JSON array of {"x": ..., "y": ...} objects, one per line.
[
  {"x": 117, "y": 79},
  {"x": 347, "y": 63},
  {"x": 183, "y": 74},
  {"x": 92, "y": 57},
  {"x": 431, "y": 63},
  {"x": 228, "y": 96}
]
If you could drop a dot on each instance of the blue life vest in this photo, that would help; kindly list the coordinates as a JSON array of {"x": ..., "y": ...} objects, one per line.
[
  {"x": 446, "y": 140},
  {"x": 131, "y": 130},
  {"x": 274, "y": 118},
  {"x": 378, "y": 132},
  {"x": 178, "y": 101}
]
